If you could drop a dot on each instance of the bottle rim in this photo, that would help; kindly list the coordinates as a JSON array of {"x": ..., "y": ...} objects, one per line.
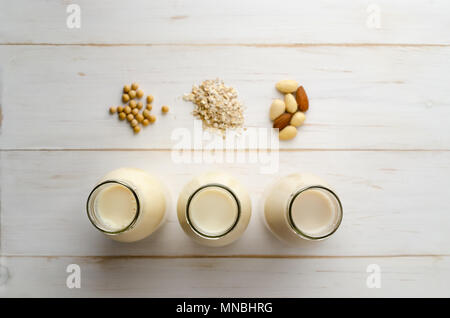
[
  {"x": 91, "y": 209},
  {"x": 232, "y": 227},
  {"x": 295, "y": 227}
]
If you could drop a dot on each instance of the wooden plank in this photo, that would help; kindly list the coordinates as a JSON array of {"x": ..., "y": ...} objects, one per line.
[
  {"x": 361, "y": 97},
  {"x": 341, "y": 277},
  {"x": 233, "y": 21},
  {"x": 394, "y": 203}
]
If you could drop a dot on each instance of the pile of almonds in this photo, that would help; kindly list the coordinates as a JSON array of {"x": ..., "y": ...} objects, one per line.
[
  {"x": 289, "y": 114},
  {"x": 132, "y": 111}
]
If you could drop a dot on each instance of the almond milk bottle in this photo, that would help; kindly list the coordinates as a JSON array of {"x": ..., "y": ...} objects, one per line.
[
  {"x": 302, "y": 206},
  {"x": 127, "y": 204}
]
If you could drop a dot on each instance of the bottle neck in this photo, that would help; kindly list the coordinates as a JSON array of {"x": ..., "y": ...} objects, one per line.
[
  {"x": 213, "y": 210},
  {"x": 318, "y": 204},
  {"x": 113, "y": 207}
]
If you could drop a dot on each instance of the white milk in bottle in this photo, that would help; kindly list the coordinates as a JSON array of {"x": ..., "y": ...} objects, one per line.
[
  {"x": 302, "y": 206},
  {"x": 127, "y": 204},
  {"x": 214, "y": 209}
]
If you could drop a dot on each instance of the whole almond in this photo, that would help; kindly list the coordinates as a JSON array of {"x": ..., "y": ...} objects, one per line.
[
  {"x": 287, "y": 133},
  {"x": 291, "y": 104},
  {"x": 287, "y": 86},
  {"x": 298, "y": 119},
  {"x": 277, "y": 108},
  {"x": 282, "y": 121},
  {"x": 302, "y": 99}
]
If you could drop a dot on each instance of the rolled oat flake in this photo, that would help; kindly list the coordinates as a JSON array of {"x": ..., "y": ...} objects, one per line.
[{"x": 217, "y": 105}]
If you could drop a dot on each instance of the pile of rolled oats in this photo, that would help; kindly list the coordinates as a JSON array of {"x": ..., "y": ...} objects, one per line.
[{"x": 217, "y": 105}]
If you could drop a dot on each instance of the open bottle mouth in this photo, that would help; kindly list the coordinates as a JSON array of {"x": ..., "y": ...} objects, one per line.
[
  {"x": 105, "y": 222},
  {"x": 327, "y": 230},
  {"x": 215, "y": 221}
]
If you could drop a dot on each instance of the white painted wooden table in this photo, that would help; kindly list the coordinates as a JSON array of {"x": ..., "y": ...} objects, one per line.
[{"x": 378, "y": 130}]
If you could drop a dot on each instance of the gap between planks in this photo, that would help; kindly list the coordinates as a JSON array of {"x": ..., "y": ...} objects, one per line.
[
  {"x": 257, "y": 45},
  {"x": 218, "y": 150},
  {"x": 232, "y": 256}
]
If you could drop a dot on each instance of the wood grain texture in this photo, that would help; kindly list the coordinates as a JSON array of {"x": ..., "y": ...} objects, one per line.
[
  {"x": 400, "y": 277},
  {"x": 226, "y": 22},
  {"x": 394, "y": 203},
  {"x": 361, "y": 98},
  {"x": 378, "y": 130}
]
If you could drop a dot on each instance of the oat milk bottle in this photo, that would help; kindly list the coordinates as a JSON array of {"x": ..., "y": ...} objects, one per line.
[{"x": 214, "y": 209}]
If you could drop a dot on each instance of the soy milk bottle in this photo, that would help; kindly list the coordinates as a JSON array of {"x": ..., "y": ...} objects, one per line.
[{"x": 127, "y": 204}]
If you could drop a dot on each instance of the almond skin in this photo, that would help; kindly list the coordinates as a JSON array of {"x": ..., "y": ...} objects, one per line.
[
  {"x": 282, "y": 121},
  {"x": 302, "y": 99}
]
